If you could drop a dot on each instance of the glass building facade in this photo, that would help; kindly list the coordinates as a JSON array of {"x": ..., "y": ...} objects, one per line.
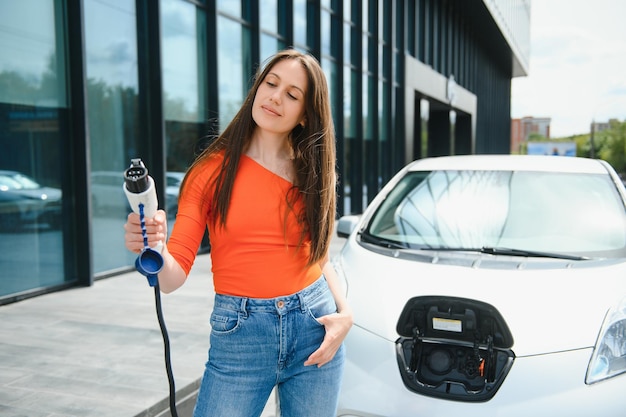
[{"x": 86, "y": 85}]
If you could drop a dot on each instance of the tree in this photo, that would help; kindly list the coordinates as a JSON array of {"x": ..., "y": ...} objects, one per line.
[{"x": 614, "y": 149}]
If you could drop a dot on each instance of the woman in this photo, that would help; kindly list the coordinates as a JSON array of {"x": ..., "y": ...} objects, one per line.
[{"x": 265, "y": 188}]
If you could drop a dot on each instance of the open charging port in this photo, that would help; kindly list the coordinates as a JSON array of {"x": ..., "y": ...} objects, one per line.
[{"x": 453, "y": 348}]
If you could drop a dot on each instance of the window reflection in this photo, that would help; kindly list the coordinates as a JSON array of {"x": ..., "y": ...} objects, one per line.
[
  {"x": 268, "y": 15},
  {"x": 232, "y": 7},
  {"x": 330, "y": 71},
  {"x": 325, "y": 32},
  {"x": 299, "y": 22},
  {"x": 521, "y": 210},
  {"x": 112, "y": 80},
  {"x": 183, "y": 43},
  {"x": 269, "y": 46},
  {"x": 455, "y": 203},
  {"x": 347, "y": 30},
  {"x": 33, "y": 128},
  {"x": 230, "y": 69},
  {"x": 183, "y": 99},
  {"x": 31, "y": 66}
]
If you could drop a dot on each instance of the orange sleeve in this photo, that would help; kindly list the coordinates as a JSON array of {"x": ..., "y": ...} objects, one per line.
[{"x": 191, "y": 219}]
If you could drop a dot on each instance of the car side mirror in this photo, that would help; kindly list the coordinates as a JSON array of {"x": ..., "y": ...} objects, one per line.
[{"x": 346, "y": 225}]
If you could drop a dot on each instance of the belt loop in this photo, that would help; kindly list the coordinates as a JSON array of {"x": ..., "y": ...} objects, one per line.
[
  {"x": 242, "y": 306},
  {"x": 302, "y": 301}
]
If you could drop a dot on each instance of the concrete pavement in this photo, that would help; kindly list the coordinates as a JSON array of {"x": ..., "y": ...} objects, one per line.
[{"x": 98, "y": 351}]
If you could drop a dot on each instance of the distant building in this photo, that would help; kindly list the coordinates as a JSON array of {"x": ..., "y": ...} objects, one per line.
[
  {"x": 521, "y": 129},
  {"x": 600, "y": 126}
]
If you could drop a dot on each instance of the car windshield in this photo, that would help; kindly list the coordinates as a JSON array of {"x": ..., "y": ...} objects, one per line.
[{"x": 579, "y": 214}]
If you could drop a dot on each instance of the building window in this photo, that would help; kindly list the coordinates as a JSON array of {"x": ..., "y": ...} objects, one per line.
[
  {"x": 269, "y": 46},
  {"x": 33, "y": 135},
  {"x": 112, "y": 88},
  {"x": 184, "y": 70},
  {"x": 299, "y": 23},
  {"x": 184, "y": 45},
  {"x": 268, "y": 15},
  {"x": 231, "y": 79},
  {"x": 230, "y": 7}
]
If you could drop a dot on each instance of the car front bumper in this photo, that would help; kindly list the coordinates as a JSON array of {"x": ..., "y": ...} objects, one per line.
[{"x": 541, "y": 385}]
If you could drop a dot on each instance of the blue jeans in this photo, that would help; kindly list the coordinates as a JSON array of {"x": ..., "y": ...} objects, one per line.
[{"x": 257, "y": 344}]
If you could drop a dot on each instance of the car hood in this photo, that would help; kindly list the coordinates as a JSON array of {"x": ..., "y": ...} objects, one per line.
[{"x": 556, "y": 307}]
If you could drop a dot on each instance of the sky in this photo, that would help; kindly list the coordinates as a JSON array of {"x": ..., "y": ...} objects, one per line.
[{"x": 577, "y": 69}]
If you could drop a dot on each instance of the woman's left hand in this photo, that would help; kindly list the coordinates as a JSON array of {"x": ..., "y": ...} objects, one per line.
[{"x": 337, "y": 326}]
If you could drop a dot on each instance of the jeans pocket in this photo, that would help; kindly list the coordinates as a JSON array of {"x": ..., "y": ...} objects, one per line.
[
  {"x": 322, "y": 306},
  {"x": 224, "y": 321}
]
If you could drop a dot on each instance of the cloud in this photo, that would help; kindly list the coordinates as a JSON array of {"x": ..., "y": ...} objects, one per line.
[{"x": 577, "y": 65}]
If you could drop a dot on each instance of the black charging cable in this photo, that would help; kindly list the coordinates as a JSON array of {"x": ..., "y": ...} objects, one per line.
[
  {"x": 149, "y": 263},
  {"x": 166, "y": 344}
]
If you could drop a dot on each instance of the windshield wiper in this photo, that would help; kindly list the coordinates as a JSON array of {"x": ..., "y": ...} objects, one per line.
[
  {"x": 380, "y": 241},
  {"x": 493, "y": 250},
  {"x": 531, "y": 253}
]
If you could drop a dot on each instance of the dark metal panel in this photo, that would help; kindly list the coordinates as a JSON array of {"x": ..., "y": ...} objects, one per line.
[
  {"x": 313, "y": 27},
  {"x": 338, "y": 53},
  {"x": 438, "y": 132},
  {"x": 250, "y": 10},
  {"x": 285, "y": 20},
  {"x": 399, "y": 114},
  {"x": 151, "y": 120},
  {"x": 77, "y": 234},
  {"x": 212, "y": 67},
  {"x": 463, "y": 135}
]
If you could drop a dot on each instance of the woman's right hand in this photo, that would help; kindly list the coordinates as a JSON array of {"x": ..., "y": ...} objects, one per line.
[{"x": 156, "y": 230}]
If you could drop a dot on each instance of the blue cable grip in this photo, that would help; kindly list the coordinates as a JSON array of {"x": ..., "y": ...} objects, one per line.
[{"x": 149, "y": 262}]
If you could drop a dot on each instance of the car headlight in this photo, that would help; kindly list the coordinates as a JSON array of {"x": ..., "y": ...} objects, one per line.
[{"x": 609, "y": 355}]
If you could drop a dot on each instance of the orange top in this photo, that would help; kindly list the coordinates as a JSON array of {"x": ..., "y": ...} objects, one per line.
[{"x": 254, "y": 255}]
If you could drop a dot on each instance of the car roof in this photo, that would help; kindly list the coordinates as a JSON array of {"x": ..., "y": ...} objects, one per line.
[
  {"x": 546, "y": 163},
  {"x": 175, "y": 174}
]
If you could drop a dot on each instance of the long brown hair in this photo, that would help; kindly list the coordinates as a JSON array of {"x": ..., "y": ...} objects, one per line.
[{"x": 314, "y": 155}]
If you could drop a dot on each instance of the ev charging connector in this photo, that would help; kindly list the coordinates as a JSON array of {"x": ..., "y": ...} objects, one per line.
[{"x": 141, "y": 194}]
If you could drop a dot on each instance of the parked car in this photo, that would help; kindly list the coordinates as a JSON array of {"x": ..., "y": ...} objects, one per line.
[
  {"x": 488, "y": 285},
  {"x": 172, "y": 189},
  {"x": 108, "y": 194},
  {"x": 23, "y": 202}
]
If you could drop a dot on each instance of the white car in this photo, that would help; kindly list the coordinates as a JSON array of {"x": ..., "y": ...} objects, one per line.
[
  {"x": 488, "y": 285},
  {"x": 108, "y": 194},
  {"x": 172, "y": 190},
  {"x": 23, "y": 201}
]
